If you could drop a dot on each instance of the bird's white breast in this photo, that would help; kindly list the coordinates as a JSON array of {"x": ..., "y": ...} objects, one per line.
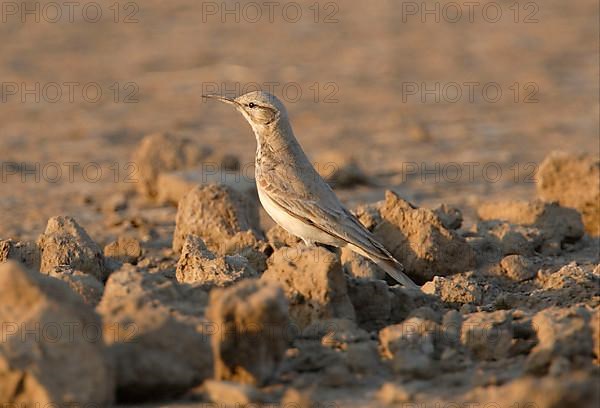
[{"x": 292, "y": 224}]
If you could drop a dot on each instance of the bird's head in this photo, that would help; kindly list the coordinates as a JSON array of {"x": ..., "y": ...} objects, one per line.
[{"x": 261, "y": 109}]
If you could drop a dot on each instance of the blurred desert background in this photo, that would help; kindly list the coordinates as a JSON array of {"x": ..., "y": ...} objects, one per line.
[
  {"x": 377, "y": 85},
  {"x": 175, "y": 51}
]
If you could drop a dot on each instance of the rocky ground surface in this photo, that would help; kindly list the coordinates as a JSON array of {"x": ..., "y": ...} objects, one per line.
[{"x": 199, "y": 304}]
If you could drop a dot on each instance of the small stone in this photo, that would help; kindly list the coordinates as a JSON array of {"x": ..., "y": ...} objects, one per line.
[
  {"x": 518, "y": 268},
  {"x": 124, "y": 249},
  {"x": 451, "y": 217}
]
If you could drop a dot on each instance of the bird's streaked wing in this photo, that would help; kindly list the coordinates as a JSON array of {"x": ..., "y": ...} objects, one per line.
[{"x": 325, "y": 212}]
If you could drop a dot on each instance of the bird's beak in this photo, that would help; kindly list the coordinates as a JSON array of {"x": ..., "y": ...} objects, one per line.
[{"x": 221, "y": 98}]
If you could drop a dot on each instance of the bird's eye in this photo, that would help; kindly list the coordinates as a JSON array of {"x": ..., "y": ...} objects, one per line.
[{"x": 252, "y": 105}]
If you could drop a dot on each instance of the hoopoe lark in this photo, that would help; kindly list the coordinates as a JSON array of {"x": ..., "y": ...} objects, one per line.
[{"x": 295, "y": 195}]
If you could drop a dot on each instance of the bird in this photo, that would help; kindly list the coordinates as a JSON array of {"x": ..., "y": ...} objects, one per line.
[{"x": 294, "y": 194}]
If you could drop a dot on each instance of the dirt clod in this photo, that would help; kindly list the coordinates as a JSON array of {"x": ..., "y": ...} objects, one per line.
[
  {"x": 215, "y": 213},
  {"x": 518, "y": 267},
  {"x": 65, "y": 242},
  {"x": 26, "y": 252},
  {"x": 488, "y": 334},
  {"x": 358, "y": 266},
  {"x": 313, "y": 282},
  {"x": 572, "y": 180},
  {"x": 173, "y": 186},
  {"x": 410, "y": 346},
  {"x": 46, "y": 326},
  {"x": 340, "y": 171},
  {"x": 278, "y": 237},
  {"x": 145, "y": 335},
  {"x": 562, "y": 334},
  {"x": 199, "y": 266},
  {"x": 418, "y": 239},
  {"x": 163, "y": 152},
  {"x": 251, "y": 336},
  {"x": 371, "y": 301},
  {"x": 124, "y": 249},
  {"x": 85, "y": 285},
  {"x": 231, "y": 394},
  {"x": 557, "y": 224}
]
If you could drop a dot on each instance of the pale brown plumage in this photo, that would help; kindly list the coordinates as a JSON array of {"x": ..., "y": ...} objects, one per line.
[{"x": 295, "y": 195}]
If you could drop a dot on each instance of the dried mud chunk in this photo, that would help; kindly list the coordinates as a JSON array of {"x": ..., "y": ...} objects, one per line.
[
  {"x": 173, "y": 186},
  {"x": 27, "y": 253},
  {"x": 411, "y": 346},
  {"x": 215, "y": 213},
  {"x": 572, "y": 180},
  {"x": 518, "y": 267},
  {"x": 561, "y": 333},
  {"x": 145, "y": 335},
  {"x": 69, "y": 336},
  {"x": 313, "y": 282},
  {"x": 488, "y": 334},
  {"x": 232, "y": 394},
  {"x": 163, "y": 152},
  {"x": 458, "y": 289},
  {"x": 499, "y": 238},
  {"x": 251, "y": 321},
  {"x": 451, "y": 217},
  {"x": 198, "y": 265},
  {"x": 87, "y": 286},
  {"x": 557, "y": 224},
  {"x": 124, "y": 249},
  {"x": 65, "y": 242},
  {"x": 418, "y": 239},
  {"x": 357, "y": 266},
  {"x": 279, "y": 237},
  {"x": 371, "y": 301},
  {"x": 340, "y": 171}
]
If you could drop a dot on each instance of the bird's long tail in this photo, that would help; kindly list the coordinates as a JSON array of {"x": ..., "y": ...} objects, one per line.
[
  {"x": 396, "y": 271},
  {"x": 389, "y": 264}
]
